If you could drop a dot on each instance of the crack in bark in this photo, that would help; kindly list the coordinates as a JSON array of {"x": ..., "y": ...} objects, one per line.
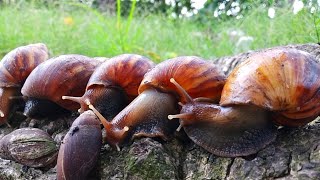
[
  {"x": 289, "y": 163},
  {"x": 178, "y": 157},
  {"x": 289, "y": 168},
  {"x": 182, "y": 158},
  {"x": 229, "y": 168}
]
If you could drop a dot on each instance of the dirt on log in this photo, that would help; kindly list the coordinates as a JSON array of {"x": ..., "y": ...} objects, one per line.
[{"x": 295, "y": 154}]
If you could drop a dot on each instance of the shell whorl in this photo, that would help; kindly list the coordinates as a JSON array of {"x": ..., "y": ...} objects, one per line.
[
  {"x": 125, "y": 71},
  {"x": 197, "y": 76},
  {"x": 286, "y": 81},
  {"x": 63, "y": 75},
  {"x": 16, "y": 66}
]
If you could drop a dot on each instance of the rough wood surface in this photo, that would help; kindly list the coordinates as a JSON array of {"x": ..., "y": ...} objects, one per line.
[{"x": 294, "y": 155}]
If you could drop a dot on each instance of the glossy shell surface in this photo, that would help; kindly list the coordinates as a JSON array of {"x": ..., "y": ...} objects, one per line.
[
  {"x": 63, "y": 75},
  {"x": 16, "y": 66},
  {"x": 125, "y": 71},
  {"x": 286, "y": 81},
  {"x": 197, "y": 76}
]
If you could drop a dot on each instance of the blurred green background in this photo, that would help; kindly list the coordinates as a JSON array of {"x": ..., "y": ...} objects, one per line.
[{"x": 157, "y": 29}]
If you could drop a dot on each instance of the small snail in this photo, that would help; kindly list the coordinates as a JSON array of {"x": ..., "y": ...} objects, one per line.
[
  {"x": 147, "y": 114},
  {"x": 47, "y": 83},
  {"x": 278, "y": 84},
  {"x": 29, "y": 146},
  {"x": 114, "y": 84},
  {"x": 15, "y": 67},
  {"x": 80, "y": 148}
]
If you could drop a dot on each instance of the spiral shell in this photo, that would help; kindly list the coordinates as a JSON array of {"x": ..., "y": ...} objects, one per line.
[
  {"x": 207, "y": 80},
  {"x": 125, "y": 71},
  {"x": 63, "y": 75},
  {"x": 16, "y": 66},
  {"x": 147, "y": 115},
  {"x": 29, "y": 146},
  {"x": 286, "y": 81}
]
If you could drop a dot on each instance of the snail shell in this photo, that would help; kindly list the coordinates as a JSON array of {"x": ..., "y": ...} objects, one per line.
[
  {"x": 285, "y": 81},
  {"x": 114, "y": 84},
  {"x": 80, "y": 149},
  {"x": 279, "y": 81},
  {"x": 15, "y": 67},
  {"x": 198, "y": 77},
  {"x": 29, "y": 146},
  {"x": 47, "y": 83},
  {"x": 147, "y": 114}
]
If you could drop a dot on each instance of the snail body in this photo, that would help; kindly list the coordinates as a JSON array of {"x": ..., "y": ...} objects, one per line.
[
  {"x": 274, "y": 82},
  {"x": 46, "y": 84},
  {"x": 15, "y": 67},
  {"x": 80, "y": 148},
  {"x": 114, "y": 84},
  {"x": 147, "y": 114}
]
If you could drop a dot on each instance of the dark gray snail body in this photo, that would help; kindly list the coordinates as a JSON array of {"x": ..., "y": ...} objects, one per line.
[{"x": 276, "y": 86}]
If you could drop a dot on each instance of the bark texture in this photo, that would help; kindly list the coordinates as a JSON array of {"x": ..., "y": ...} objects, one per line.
[{"x": 294, "y": 155}]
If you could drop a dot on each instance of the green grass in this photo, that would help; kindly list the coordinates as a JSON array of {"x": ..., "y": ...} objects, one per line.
[{"x": 157, "y": 37}]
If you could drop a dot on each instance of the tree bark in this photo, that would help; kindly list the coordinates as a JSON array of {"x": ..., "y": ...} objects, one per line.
[{"x": 295, "y": 154}]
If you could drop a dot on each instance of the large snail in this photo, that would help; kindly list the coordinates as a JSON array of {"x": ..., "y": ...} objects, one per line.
[
  {"x": 15, "y": 67},
  {"x": 277, "y": 84},
  {"x": 46, "y": 84},
  {"x": 114, "y": 84},
  {"x": 111, "y": 87},
  {"x": 147, "y": 114}
]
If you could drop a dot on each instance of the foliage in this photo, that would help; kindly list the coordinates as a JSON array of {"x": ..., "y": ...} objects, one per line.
[
  {"x": 147, "y": 6},
  {"x": 222, "y": 10},
  {"x": 316, "y": 21},
  {"x": 77, "y": 28}
]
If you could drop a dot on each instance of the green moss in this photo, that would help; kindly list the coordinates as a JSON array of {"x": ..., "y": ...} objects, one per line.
[{"x": 152, "y": 166}]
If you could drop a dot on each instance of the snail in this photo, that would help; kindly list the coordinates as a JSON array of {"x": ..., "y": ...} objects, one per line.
[
  {"x": 114, "y": 84},
  {"x": 15, "y": 67},
  {"x": 29, "y": 146},
  {"x": 80, "y": 148},
  {"x": 63, "y": 75},
  {"x": 277, "y": 86},
  {"x": 147, "y": 114}
]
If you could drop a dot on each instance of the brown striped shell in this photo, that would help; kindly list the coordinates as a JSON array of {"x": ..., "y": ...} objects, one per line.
[
  {"x": 147, "y": 114},
  {"x": 114, "y": 84},
  {"x": 195, "y": 75},
  {"x": 125, "y": 71},
  {"x": 63, "y": 75},
  {"x": 18, "y": 64},
  {"x": 15, "y": 67},
  {"x": 285, "y": 81}
]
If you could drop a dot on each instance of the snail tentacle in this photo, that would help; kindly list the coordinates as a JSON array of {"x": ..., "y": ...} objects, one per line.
[
  {"x": 77, "y": 100},
  {"x": 104, "y": 121}
]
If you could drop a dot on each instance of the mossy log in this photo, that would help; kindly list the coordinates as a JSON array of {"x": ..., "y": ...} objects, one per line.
[{"x": 294, "y": 155}]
